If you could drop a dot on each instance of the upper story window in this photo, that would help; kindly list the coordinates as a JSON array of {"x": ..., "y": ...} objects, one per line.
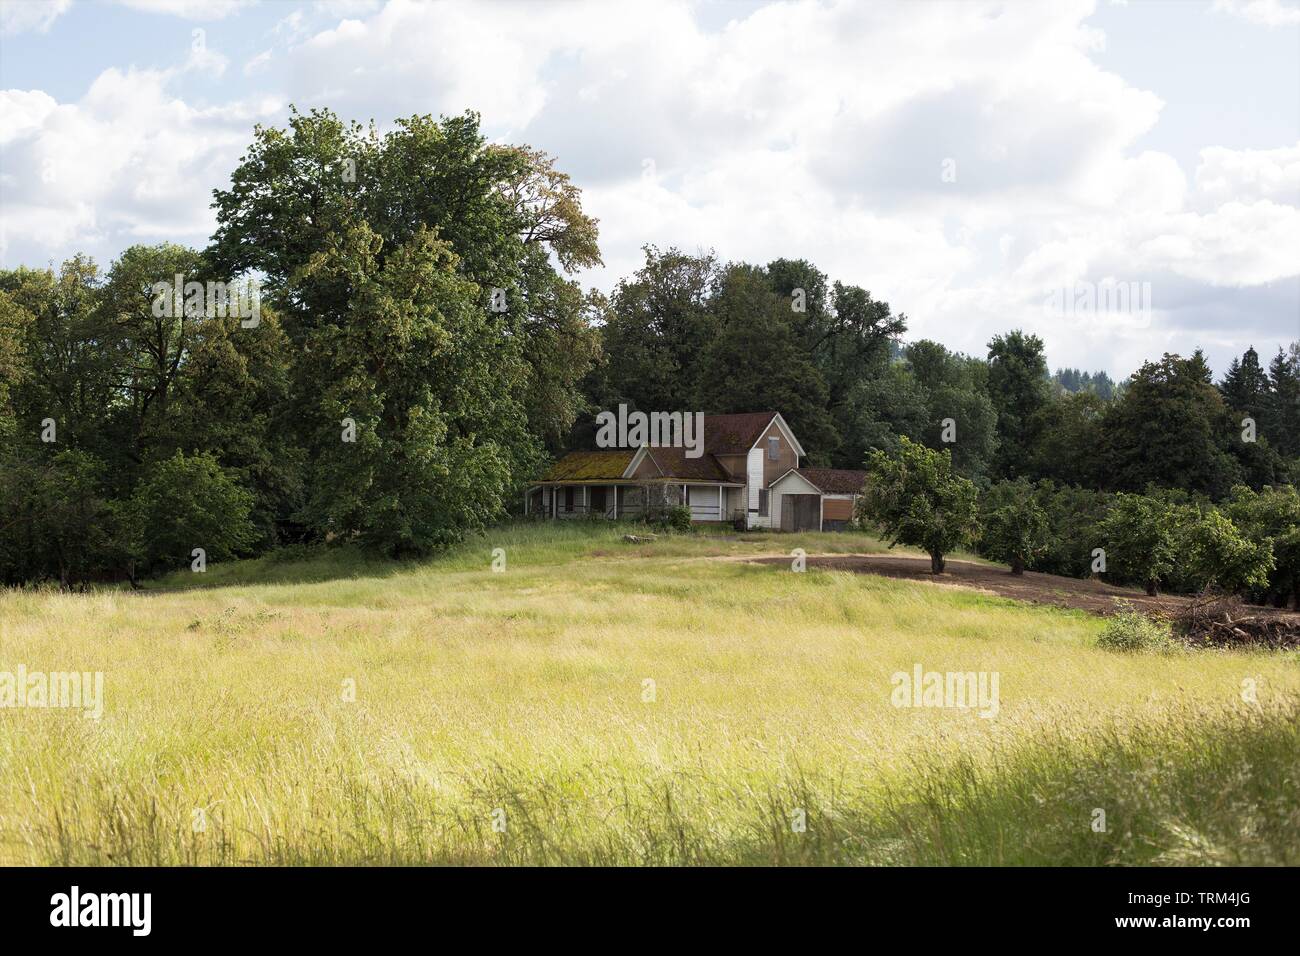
[{"x": 773, "y": 449}]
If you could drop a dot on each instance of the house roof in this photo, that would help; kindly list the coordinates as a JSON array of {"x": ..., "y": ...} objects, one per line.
[
  {"x": 674, "y": 464},
  {"x": 833, "y": 481},
  {"x": 589, "y": 465},
  {"x": 723, "y": 435},
  {"x": 735, "y": 434}
]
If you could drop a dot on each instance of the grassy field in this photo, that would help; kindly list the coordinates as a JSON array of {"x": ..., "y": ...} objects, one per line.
[{"x": 600, "y": 702}]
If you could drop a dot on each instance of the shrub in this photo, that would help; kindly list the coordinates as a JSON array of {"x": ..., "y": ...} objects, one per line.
[
  {"x": 675, "y": 518},
  {"x": 1130, "y": 631}
]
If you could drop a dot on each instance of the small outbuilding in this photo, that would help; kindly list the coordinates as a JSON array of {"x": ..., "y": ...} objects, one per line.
[{"x": 816, "y": 499}]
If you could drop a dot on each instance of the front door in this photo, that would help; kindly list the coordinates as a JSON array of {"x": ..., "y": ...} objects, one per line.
[{"x": 598, "y": 501}]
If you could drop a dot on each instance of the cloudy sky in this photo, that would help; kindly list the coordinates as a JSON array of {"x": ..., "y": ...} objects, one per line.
[{"x": 980, "y": 166}]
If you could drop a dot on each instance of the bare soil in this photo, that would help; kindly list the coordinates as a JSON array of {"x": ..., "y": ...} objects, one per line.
[{"x": 1085, "y": 594}]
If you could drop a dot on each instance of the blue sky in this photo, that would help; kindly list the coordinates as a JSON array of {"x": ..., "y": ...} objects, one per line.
[{"x": 1148, "y": 145}]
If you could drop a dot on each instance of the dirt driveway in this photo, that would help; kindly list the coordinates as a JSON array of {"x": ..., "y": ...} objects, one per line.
[{"x": 1084, "y": 594}]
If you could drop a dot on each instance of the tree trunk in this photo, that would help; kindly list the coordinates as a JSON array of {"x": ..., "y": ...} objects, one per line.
[
  {"x": 936, "y": 562},
  {"x": 1151, "y": 589},
  {"x": 1017, "y": 565}
]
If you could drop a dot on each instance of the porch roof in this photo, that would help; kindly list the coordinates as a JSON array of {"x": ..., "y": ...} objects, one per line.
[{"x": 590, "y": 466}]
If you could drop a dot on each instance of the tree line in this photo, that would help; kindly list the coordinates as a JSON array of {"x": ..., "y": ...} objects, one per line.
[{"x": 422, "y": 349}]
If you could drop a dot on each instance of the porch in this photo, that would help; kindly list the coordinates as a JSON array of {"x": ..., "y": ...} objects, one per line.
[{"x": 612, "y": 500}]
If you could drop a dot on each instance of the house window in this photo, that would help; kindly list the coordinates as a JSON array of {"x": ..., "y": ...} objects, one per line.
[
  {"x": 762, "y": 502},
  {"x": 773, "y": 449},
  {"x": 568, "y": 499}
]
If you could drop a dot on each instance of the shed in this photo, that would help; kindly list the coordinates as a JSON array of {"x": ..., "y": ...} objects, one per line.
[{"x": 816, "y": 499}]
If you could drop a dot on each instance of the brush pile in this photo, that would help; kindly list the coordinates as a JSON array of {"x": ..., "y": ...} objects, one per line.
[{"x": 1221, "y": 620}]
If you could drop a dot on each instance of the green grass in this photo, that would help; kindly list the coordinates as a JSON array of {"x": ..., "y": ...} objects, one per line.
[{"x": 519, "y": 696}]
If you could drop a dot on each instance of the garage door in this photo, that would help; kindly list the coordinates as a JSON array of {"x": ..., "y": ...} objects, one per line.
[{"x": 801, "y": 512}]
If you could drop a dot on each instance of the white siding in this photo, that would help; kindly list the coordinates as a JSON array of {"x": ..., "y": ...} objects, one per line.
[{"x": 754, "y": 479}]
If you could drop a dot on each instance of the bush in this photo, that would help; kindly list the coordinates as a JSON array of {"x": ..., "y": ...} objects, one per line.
[
  {"x": 1132, "y": 631},
  {"x": 674, "y": 518}
]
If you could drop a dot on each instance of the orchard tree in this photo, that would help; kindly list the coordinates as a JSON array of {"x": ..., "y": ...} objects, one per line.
[
  {"x": 1217, "y": 554},
  {"x": 1073, "y": 515},
  {"x": 1014, "y": 526},
  {"x": 1272, "y": 515},
  {"x": 915, "y": 498},
  {"x": 1140, "y": 536}
]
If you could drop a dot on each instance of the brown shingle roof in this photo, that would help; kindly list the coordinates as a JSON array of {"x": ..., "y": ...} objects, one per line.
[
  {"x": 723, "y": 435},
  {"x": 674, "y": 464},
  {"x": 834, "y": 481},
  {"x": 590, "y": 465},
  {"x": 734, "y": 434}
]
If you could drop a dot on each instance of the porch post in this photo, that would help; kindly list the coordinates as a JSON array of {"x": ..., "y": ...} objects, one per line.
[
  {"x": 720, "y": 515},
  {"x": 615, "y": 502}
]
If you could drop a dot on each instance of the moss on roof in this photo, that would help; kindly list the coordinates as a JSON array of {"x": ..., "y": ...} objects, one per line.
[{"x": 589, "y": 465}]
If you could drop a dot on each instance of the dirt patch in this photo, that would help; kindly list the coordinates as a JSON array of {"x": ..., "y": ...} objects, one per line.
[{"x": 1085, "y": 594}]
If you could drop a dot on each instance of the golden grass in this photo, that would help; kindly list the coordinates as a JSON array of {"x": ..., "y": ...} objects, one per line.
[{"x": 520, "y": 697}]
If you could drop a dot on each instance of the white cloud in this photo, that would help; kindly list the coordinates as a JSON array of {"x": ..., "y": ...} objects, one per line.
[
  {"x": 1226, "y": 174},
  {"x": 190, "y": 9},
  {"x": 816, "y": 130},
  {"x": 1268, "y": 13},
  {"x": 127, "y": 162},
  {"x": 19, "y": 16},
  {"x": 257, "y": 63}
]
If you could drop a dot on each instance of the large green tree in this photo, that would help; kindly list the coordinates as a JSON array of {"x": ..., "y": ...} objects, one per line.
[
  {"x": 755, "y": 362},
  {"x": 1018, "y": 387},
  {"x": 1171, "y": 428},
  {"x": 372, "y": 245}
]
